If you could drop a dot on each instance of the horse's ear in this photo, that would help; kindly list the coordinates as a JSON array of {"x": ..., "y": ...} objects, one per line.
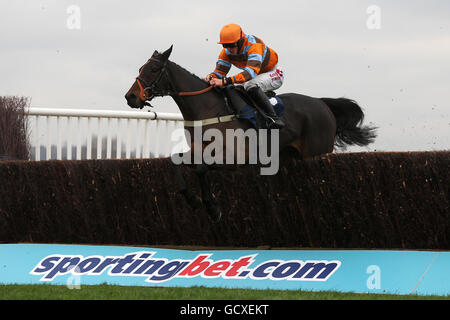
[{"x": 166, "y": 54}]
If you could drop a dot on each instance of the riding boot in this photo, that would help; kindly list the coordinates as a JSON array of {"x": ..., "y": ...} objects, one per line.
[
  {"x": 234, "y": 101},
  {"x": 263, "y": 101}
]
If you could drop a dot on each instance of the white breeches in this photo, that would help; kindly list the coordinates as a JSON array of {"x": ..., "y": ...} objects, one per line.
[{"x": 269, "y": 81}]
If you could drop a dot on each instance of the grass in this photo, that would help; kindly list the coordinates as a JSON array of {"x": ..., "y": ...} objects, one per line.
[{"x": 110, "y": 292}]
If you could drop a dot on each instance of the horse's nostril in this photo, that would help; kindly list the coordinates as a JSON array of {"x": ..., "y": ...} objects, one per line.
[
  {"x": 130, "y": 96},
  {"x": 133, "y": 101}
]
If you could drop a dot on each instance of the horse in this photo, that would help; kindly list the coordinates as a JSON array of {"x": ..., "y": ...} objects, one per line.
[{"x": 313, "y": 126}]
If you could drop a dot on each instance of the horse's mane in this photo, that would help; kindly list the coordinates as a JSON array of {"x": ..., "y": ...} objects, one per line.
[
  {"x": 189, "y": 72},
  {"x": 157, "y": 55}
]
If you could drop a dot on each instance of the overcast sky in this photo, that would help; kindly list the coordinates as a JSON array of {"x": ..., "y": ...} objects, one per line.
[{"x": 399, "y": 73}]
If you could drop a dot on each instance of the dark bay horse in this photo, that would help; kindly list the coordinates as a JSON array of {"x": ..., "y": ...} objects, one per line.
[{"x": 314, "y": 126}]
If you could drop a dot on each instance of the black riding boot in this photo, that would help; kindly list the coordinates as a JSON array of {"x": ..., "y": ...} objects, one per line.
[
  {"x": 234, "y": 101},
  {"x": 263, "y": 101}
]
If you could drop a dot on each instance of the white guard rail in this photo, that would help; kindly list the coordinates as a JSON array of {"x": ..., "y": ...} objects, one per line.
[{"x": 75, "y": 134}]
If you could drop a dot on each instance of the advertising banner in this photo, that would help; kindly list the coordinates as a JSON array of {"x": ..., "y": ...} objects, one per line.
[{"x": 364, "y": 271}]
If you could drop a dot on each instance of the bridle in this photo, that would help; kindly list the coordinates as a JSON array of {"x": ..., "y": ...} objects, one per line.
[{"x": 148, "y": 92}]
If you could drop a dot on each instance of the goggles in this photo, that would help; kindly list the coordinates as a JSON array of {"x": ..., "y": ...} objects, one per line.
[{"x": 230, "y": 45}]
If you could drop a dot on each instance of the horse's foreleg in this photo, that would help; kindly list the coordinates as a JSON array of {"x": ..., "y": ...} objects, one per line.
[
  {"x": 213, "y": 210},
  {"x": 194, "y": 201}
]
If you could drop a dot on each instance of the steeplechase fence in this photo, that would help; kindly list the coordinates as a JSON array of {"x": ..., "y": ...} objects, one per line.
[{"x": 76, "y": 134}]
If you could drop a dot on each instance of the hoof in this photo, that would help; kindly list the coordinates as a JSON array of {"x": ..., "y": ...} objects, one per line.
[
  {"x": 195, "y": 202},
  {"x": 214, "y": 213}
]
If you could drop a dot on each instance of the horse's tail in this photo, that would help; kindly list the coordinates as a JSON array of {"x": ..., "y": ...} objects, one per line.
[{"x": 349, "y": 117}]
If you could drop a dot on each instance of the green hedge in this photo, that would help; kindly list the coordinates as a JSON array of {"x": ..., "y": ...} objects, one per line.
[{"x": 359, "y": 200}]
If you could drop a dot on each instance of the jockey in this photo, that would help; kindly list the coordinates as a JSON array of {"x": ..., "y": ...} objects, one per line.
[{"x": 258, "y": 62}]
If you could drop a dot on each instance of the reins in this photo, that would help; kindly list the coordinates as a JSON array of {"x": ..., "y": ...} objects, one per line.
[
  {"x": 195, "y": 93},
  {"x": 145, "y": 97}
]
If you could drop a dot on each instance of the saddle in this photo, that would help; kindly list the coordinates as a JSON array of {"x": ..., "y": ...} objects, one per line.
[{"x": 244, "y": 107}]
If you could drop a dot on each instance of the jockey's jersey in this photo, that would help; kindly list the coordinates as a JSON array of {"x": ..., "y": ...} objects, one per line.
[{"x": 254, "y": 58}]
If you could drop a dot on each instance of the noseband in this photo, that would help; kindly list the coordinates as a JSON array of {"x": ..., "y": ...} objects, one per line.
[{"x": 157, "y": 92}]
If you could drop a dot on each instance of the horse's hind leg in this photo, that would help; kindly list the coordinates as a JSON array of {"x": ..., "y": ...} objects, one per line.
[{"x": 310, "y": 146}]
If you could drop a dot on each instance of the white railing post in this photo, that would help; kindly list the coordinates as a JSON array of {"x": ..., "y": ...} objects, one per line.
[
  {"x": 157, "y": 137},
  {"x": 59, "y": 138},
  {"x": 108, "y": 138},
  {"x": 69, "y": 138},
  {"x": 146, "y": 149},
  {"x": 37, "y": 140},
  {"x": 89, "y": 139},
  {"x": 128, "y": 149},
  {"x": 99, "y": 138},
  {"x": 48, "y": 147},
  {"x": 77, "y": 128},
  {"x": 119, "y": 140}
]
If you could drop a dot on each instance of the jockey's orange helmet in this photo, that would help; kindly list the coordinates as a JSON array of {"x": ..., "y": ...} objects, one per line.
[{"x": 231, "y": 33}]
